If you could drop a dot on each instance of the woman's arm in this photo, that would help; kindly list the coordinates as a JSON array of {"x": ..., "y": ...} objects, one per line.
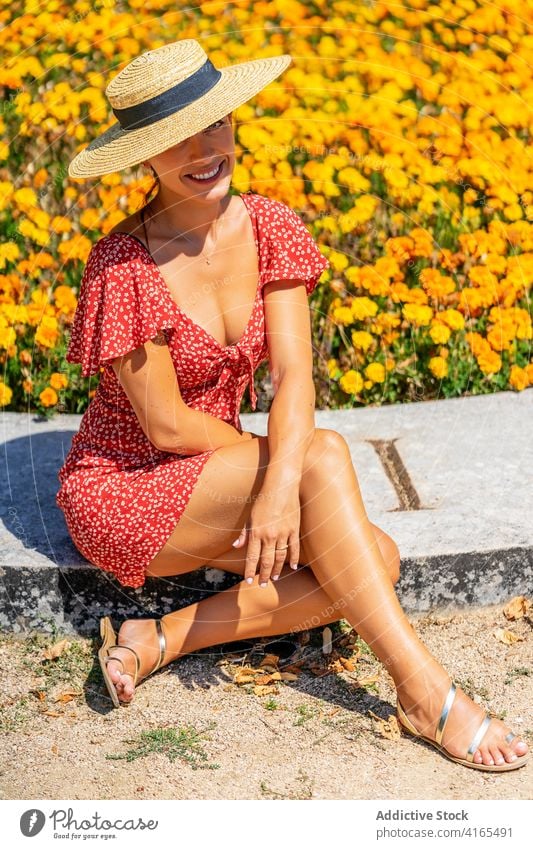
[
  {"x": 291, "y": 420},
  {"x": 148, "y": 378},
  {"x": 275, "y": 516}
]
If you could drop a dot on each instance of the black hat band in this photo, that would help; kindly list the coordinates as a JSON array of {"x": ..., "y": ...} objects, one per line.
[{"x": 170, "y": 101}]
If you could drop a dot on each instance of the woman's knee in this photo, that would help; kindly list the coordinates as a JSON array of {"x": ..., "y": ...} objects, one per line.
[
  {"x": 327, "y": 450},
  {"x": 390, "y": 553}
]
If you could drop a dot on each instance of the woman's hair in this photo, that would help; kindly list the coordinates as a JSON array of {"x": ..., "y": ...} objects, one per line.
[{"x": 156, "y": 184}]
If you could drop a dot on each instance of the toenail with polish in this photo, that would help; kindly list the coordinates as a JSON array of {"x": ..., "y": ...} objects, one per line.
[
  {"x": 262, "y": 585},
  {"x": 513, "y": 757},
  {"x": 294, "y": 565},
  {"x": 275, "y": 577},
  {"x": 249, "y": 580}
]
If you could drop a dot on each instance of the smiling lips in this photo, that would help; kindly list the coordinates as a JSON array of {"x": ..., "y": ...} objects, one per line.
[{"x": 206, "y": 176}]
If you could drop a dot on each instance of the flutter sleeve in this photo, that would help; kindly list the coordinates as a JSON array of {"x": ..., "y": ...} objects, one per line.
[
  {"x": 120, "y": 306},
  {"x": 292, "y": 253}
]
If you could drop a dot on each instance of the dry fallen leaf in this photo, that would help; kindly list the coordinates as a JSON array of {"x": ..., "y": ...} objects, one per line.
[
  {"x": 288, "y": 676},
  {"x": 269, "y": 660},
  {"x": 507, "y": 637},
  {"x": 517, "y": 607},
  {"x": 261, "y": 690},
  {"x": 54, "y": 749},
  {"x": 55, "y": 651},
  {"x": 67, "y": 696},
  {"x": 349, "y": 665},
  {"x": 388, "y": 728},
  {"x": 319, "y": 671},
  {"x": 370, "y": 679},
  {"x": 39, "y": 694},
  {"x": 243, "y": 678},
  {"x": 267, "y": 679},
  {"x": 51, "y": 713}
]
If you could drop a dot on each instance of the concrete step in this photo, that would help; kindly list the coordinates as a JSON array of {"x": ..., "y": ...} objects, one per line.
[{"x": 449, "y": 480}]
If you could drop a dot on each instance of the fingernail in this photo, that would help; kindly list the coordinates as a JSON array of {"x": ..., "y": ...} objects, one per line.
[
  {"x": 249, "y": 580},
  {"x": 262, "y": 585}
]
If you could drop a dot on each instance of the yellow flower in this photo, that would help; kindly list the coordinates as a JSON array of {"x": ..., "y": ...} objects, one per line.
[
  {"x": 7, "y": 337},
  {"x": 65, "y": 299},
  {"x": 333, "y": 368},
  {"x": 351, "y": 382},
  {"x": 363, "y": 308},
  {"x": 60, "y": 224},
  {"x": 489, "y": 362},
  {"x": 9, "y": 252},
  {"x": 518, "y": 378},
  {"x": 436, "y": 285},
  {"x": 58, "y": 381},
  {"x": 343, "y": 315},
  {"x": 47, "y": 332},
  {"x": 48, "y": 397},
  {"x": 361, "y": 339},
  {"x": 453, "y": 318},
  {"x": 439, "y": 333},
  {"x": 26, "y": 199},
  {"x": 338, "y": 261},
  {"x": 438, "y": 367},
  {"x": 417, "y": 314},
  {"x": 375, "y": 372},
  {"x": 5, "y": 394}
]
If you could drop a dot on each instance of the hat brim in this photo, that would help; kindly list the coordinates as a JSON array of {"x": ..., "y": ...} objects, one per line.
[{"x": 116, "y": 148}]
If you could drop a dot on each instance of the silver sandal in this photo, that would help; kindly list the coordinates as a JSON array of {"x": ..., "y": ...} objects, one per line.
[
  {"x": 109, "y": 641},
  {"x": 478, "y": 736}
]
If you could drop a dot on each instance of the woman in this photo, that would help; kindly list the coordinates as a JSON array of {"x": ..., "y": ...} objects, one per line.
[{"x": 178, "y": 306}]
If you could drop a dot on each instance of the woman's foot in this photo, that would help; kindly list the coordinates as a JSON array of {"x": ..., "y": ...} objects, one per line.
[
  {"x": 140, "y": 635},
  {"x": 423, "y": 704}
]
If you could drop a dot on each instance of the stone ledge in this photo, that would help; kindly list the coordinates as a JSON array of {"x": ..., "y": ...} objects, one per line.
[{"x": 446, "y": 479}]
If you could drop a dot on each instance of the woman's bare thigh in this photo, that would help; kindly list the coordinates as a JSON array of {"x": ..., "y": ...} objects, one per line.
[
  {"x": 217, "y": 510},
  {"x": 220, "y": 505}
]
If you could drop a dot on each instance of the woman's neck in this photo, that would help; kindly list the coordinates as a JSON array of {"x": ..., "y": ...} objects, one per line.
[{"x": 175, "y": 215}]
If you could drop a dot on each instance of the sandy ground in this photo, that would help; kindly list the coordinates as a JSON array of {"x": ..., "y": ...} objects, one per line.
[{"x": 205, "y": 727}]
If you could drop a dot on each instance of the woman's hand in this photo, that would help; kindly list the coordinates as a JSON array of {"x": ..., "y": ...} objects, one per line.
[{"x": 274, "y": 524}]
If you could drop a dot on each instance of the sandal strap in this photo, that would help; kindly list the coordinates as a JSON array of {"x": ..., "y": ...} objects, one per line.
[
  {"x": 445, "y": 713},
  {"x": 480, "y": 733},
  {"x": 162, "y": 645},
  {"x": 137, "y": 662}
]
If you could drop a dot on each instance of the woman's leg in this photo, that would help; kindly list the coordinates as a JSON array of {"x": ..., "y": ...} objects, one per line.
[
  {"x": 294, "y": 603},
  {"x": 341, "y": 549}
]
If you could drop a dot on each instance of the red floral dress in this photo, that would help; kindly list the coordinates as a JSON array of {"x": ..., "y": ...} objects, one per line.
[{"x": 121, "y": 496}]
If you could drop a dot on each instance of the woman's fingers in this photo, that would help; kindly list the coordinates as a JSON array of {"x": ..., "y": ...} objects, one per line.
[{"x": 241, "y": 539}]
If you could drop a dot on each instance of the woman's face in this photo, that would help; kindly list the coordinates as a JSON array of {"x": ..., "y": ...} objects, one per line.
[{"x": 179, "y": 167}]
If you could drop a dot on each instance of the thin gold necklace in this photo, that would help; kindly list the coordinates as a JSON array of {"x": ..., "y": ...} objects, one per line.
[{"x": 202, "y": 253}]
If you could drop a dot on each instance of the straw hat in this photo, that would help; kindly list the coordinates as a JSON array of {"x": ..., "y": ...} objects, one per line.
[{"x": 166, "y": 95}]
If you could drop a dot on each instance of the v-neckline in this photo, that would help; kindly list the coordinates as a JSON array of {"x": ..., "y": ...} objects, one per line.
[{"x": 184, "y": 314}]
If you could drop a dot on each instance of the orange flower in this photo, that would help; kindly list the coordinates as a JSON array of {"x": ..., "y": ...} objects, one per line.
[
  {"x": 518, "y": 378},
  {"x": 48, "y": 397},
  {"x": 58, "y": 381}
]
